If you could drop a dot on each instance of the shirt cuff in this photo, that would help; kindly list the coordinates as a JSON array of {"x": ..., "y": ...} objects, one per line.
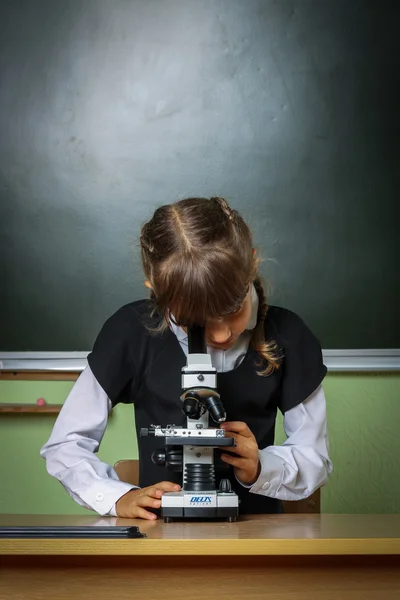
[
  {"x": 271, "y": 475},
  {"x": 102, "y": 496}
]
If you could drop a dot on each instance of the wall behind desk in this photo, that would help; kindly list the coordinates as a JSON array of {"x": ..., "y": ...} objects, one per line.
[
  {"x": 363, "y": 414},
  {"x": 110, "y": 108}
]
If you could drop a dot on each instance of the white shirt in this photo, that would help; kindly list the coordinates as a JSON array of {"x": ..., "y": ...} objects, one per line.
[{"x": 292, "y": 471}]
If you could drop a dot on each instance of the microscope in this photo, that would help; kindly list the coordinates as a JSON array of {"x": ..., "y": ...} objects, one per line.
[{"x": 190, "y": 449}]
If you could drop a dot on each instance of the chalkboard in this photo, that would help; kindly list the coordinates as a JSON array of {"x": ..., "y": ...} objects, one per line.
[{"x": 287, "y": 108}]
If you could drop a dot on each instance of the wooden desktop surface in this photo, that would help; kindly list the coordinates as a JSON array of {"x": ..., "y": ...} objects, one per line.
[
  {"x": 273, "y": 557},
  {"x": 251, "y": 535}
]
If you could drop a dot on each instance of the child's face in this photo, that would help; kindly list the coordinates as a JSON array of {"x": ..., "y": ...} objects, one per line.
[{"x": 223, "y": 333}]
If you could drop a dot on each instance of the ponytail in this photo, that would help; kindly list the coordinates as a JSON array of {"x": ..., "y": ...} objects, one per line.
[{"x": 266, "y": 349}]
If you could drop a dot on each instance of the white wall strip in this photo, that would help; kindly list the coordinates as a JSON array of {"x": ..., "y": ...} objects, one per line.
[
  {"x": 335, "y": 360},
  {"x": 362, "y": 360},
  {"x": 43, "y": 361}
]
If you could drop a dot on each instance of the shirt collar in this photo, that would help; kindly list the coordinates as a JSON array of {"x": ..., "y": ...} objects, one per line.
[{"x": 251, "y": 323}]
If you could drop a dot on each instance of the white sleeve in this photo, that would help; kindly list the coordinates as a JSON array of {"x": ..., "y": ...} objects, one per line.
[
  {"x": 70, "y": 451},
  {"x": 301, "y": 465}
]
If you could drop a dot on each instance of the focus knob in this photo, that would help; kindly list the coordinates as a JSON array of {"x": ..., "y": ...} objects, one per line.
[
  {"x": 158, "y": 457},
  {"x": 225, "y": 486}
]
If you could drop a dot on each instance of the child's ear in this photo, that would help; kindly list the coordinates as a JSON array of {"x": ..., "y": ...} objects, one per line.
[{"x": 148, "y": 284}]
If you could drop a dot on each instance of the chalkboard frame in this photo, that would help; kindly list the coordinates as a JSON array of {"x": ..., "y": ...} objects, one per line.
[{"x": 348, "y": 360}]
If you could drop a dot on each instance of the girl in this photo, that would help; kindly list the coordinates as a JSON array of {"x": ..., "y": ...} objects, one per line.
[{"x": 201, "y": 267}]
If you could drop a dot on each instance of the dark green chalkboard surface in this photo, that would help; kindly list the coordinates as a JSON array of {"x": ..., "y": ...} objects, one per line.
[{"x": 288, "y": 108}]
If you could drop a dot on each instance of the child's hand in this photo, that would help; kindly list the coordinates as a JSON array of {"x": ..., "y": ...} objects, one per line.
[
  {"x": 133, "y": 504},
  {"x": 244, "y": 457}
]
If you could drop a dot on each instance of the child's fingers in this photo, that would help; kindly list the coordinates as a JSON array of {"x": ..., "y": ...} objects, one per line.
[
  {"x": 244, "y": 446},
  {"x": 148, "y": 502},
  {"x": 235, "y": 461},
  {"x": 140, "y": 513},
  {"x": 240, "y": 450},
  {"x": 157, "y": 490},
  {"x": 167, "y": 486},
  {"x": 153, "y": 492},
  {"x": 237, "y": 427}
]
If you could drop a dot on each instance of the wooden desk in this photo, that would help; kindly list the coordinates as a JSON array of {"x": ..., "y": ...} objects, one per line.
[{"x": 277, "y": 557}]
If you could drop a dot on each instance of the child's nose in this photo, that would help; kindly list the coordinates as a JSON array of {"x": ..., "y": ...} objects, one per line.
[{"x": 220, "y": 335}]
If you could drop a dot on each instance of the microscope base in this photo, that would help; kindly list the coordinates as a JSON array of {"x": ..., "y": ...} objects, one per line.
[
  {"x": 199, "y": 505},
  {"x": 198, "y": 513}
]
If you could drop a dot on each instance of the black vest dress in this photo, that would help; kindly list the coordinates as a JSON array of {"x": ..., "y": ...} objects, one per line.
[{"x": 134, "y": 365}]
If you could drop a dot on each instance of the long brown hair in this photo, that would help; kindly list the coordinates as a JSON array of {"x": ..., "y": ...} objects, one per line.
[{"x": 197, "y": 255}]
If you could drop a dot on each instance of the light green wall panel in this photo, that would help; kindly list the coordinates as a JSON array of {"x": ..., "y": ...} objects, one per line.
[
  {"x": 363, "y": 420},
  {"x": 26, "y": 486}
]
